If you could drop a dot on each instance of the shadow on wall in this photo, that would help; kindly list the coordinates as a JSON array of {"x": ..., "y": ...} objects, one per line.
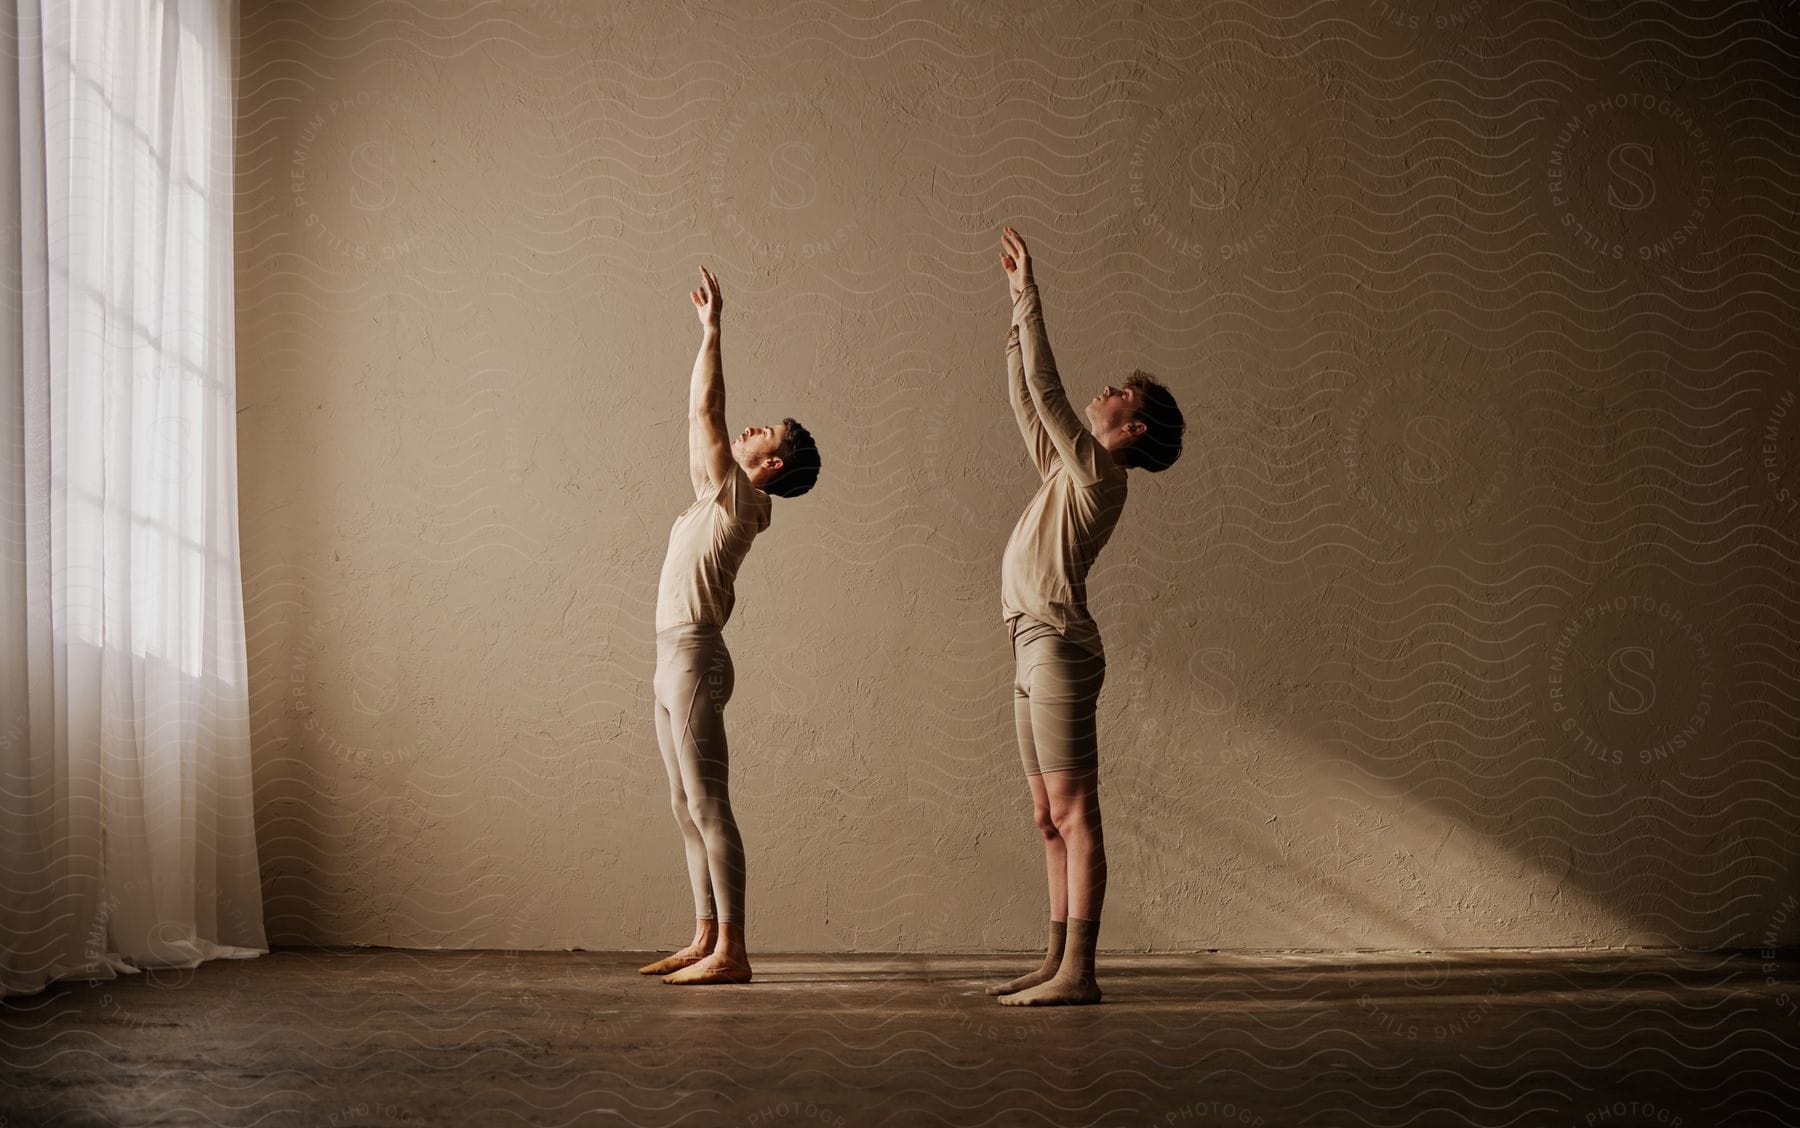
[{"x": 1467, "y": 619}]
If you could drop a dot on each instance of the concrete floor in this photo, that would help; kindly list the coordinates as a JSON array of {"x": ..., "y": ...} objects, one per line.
[{"x": 378, "y": 1037}]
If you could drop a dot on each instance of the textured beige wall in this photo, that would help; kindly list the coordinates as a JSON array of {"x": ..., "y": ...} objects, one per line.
[{"x": 1467, "y": 620}]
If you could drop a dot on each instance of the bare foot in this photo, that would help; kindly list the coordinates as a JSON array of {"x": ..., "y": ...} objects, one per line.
[
  {"x": 1057, "y": 992},
  {"x": 687, "y": 957},
  {"x": 712, "y": 969},
  {"x": 1030, "y": 979}
]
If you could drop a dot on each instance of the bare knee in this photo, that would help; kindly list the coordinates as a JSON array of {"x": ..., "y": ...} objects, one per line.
[
  {"x": 1045, "y": 824},
  {"x": 1074, "y": 820}
]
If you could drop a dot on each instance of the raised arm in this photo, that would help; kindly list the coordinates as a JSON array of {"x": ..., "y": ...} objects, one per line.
[
  {"x": 1037, "y": 441},
  {"x": 1073, "y": 443},
  {"x": 709, "y": 448}
]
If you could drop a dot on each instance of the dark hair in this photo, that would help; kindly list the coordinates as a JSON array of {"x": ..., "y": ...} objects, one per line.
[
  {"x": 1160, "y": 445},
  {"x": 799, "y": 463}
]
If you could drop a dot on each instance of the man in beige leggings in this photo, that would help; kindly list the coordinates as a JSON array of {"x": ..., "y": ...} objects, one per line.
[
  {"x": 1059, "y": 663},
  {"x": 733, "y": 480}
]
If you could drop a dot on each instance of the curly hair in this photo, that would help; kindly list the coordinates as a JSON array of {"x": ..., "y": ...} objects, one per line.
[{"x": 799, "y": 462}]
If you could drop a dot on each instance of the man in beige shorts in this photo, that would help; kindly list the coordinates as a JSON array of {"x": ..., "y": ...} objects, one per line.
[
  {"x": 733, "y": 479},
  {"x": 1059, "y": 663}
]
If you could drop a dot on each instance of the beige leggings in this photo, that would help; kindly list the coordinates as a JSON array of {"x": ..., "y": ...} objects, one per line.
[
  {"x": 1056, "y": 690},
  {"x": 694, "y": 679}
]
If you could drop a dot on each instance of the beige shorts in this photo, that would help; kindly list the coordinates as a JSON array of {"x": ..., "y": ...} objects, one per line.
[{"x": 1056, "y": 691}]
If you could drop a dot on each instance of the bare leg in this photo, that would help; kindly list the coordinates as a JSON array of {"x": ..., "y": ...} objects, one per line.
[
  {"x": 1075, "y": 810},
  {"x": 1056, "y": 856},
  {"x": 1056, "y": 867},
  {"x": 1056, "y": 849}
]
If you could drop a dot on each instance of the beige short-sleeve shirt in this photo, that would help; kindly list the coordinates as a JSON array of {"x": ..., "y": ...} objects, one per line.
[{"x": 707, "y": 545}]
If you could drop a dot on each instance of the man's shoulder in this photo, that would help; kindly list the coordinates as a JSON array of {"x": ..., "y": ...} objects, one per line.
[
  {"x": 1107, "y": 473},
  {"x": 742, "y": 500}
]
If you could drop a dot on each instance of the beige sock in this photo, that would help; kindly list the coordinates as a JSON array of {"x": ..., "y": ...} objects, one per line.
[
  {"x": 1073, "y": 982},
  {"x": 1053, "y": 953}
]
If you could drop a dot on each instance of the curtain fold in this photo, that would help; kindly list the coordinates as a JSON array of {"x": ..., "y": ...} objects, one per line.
[{"x": 126, "y": 821}]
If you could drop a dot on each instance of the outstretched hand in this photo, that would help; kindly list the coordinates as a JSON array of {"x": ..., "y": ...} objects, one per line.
[
  {"x": 1016, "y": 259},
  {"x": 707, "y": 300}
]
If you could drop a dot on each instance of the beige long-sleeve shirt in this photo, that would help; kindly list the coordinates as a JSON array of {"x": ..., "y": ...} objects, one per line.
[
  {"x": 707, "y": 545},
  {"x": 1043, "y": 572}
]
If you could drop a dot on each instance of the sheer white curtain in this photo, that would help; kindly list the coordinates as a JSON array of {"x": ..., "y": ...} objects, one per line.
[{"x": 126, "y": 836}]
